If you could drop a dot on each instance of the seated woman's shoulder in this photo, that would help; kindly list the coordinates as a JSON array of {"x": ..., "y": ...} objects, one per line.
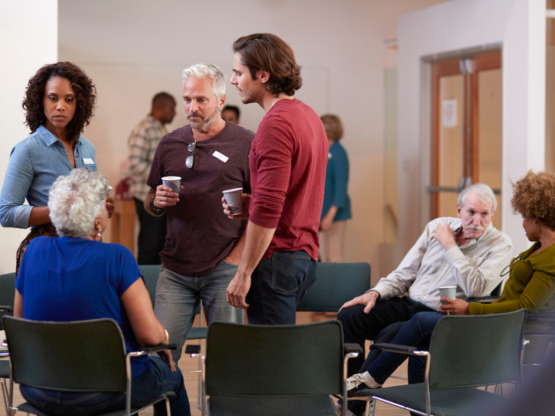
[{"x": 116, "y": 247}]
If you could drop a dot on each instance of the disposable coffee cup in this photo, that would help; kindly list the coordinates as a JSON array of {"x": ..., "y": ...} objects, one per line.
[
  {"x": 172, "y": 182},
  {"x": 448, "y": 292},
  {"x": 109, "y": 190},
  {"x": 234, "y": 200}
]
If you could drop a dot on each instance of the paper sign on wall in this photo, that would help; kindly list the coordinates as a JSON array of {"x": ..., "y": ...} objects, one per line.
[{"x": 449, "y": 113}]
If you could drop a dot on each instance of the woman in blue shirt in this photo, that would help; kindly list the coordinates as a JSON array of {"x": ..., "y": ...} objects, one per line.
[
  {"x": 58, "y": 104},
  {"x": 337, "y": 205},
  {"x": 77, "y": 277}
]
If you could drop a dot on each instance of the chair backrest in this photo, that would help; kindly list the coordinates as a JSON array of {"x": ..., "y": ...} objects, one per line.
[
  {"x": 78, "y": 356},
  {"x": 280, "y": 360},
  {"x": 150, "y": 275},
  {"x": 476, "y": 350},
  {"x": 497, "y": 290},
  {"x": 335, "y": 284},
  {"x": 7, "y": 293}
]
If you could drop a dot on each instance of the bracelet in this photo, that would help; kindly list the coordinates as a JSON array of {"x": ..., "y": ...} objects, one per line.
[
  {"x": 154, "y": 209},
  {"x": 167, "y": 341}
]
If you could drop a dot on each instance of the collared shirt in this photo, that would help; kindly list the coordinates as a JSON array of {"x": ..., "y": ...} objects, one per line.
[
  {"x": 142, "y": 144},
  {"x": 35, "y": 163},
  {"x": 474, "y": 268}
]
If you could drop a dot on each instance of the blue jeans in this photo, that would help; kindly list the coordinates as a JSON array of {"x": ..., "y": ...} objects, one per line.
[
  {"x": 178, "y": 297},
  {"x": 415, "y": 333},
  {"x": 145, "y": 388},
  {"x": 278, "y": 285}
]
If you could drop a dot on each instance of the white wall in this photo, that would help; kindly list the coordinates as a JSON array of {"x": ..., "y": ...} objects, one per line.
[
  {"x": 519, "y": 25},
  {"x": 28, "y": 40},
  {"x": 133, "y": 49}
]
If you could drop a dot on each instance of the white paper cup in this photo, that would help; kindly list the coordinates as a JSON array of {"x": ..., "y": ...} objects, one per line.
[
  {"x": 172, "y": 182},
  {"x": 448, "y": 292},
  {"x": 109, "y": 190},
  {"x": 234, "y": 200}
]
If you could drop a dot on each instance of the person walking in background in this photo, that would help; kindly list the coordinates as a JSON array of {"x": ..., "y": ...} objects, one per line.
[
  {"x": 59, "y": 102},
  {"x": 337, "y": 204},
  {"x": 231, "y": 114},
  {"x": 142, "y": 144},
  {"x": 287, "y": 164}
]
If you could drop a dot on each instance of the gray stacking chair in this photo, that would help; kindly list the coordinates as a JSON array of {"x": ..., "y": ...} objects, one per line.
[
  {"x": 7, "y": 293},
  {"x": 4, "y": 375},
  {"x": 80, "y": 356},
  {"x": 335, "y": 284},
  {"x": 150, "y": 275},
  {"x": 465, "y": 352},
  {"x": 274, "y": 370}
]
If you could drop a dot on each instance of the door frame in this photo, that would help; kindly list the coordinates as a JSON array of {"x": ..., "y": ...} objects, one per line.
[{"x": 483, "y": 60}]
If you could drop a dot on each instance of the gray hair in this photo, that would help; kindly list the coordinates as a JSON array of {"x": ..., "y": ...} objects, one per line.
[
  {"x": 483, "y": 191},
  {"x": 213, "y": 72},
  {"x": 75, "y": 200}
]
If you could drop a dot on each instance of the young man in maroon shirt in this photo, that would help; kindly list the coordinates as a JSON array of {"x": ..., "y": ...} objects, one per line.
[{"x": 288, "y": 170}]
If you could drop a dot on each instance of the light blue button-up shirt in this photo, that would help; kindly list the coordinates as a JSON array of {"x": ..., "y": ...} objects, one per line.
[{"x": 35, "y": 163}]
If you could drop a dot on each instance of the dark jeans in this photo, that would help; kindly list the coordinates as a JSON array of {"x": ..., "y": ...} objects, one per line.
[
  {"x": 146, "y": 388},
  {"x": 415, "y": 333},
  {"x": 278, "y": 285},
  {"x": 152, "y": 235},
  {"x": 359, "y": 326}
]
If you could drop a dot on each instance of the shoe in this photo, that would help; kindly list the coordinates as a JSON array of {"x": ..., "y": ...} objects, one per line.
[
  {"x": 354, "y": 381},
  {"x": 357, "y": 382},
  {"x": 339, "y": 410}
]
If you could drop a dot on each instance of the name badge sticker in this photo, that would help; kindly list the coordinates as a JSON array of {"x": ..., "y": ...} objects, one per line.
[
  {"x": 88, "y": 161},
  {"x": 220, "y": 156}
]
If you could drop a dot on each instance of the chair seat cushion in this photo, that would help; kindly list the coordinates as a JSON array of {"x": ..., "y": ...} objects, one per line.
[
  {"x": 4, "y": 369},
  {"x": 452, "y": 402},
  {"x": 28, "y": 408},
  {"x": 197, "y": 333},
  {"x": 271, "y": 406}
]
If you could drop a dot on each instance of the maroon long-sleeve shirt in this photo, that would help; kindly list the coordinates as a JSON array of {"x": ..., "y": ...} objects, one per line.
[{"x": 288, "y": 170}]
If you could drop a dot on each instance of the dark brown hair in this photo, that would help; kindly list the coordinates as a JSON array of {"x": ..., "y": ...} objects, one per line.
[
  {"x": 333, "y": 126},
  {"x": 85, "y": 96},
  {"x": 534, "y": 197},
  {"x": 271, "y": 54}
]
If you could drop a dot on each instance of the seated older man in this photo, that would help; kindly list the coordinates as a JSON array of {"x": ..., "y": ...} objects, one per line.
[{"x": 466, "y": 252}]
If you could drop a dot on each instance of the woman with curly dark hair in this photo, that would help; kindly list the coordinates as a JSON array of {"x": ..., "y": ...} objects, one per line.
[
  {"x": 58, "y": 104},
  {"x": 531, "y": 285}
]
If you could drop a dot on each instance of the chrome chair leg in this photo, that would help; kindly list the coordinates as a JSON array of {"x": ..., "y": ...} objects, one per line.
[{"x": 5, "y": 395}]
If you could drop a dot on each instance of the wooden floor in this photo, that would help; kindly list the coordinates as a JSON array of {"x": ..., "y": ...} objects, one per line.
[{"x": 191, "y": 379}]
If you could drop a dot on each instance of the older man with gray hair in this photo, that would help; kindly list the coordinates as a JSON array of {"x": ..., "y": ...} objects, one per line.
[
  {"x": 466, "y": 252},
  {"x": 203, "y": 248}
]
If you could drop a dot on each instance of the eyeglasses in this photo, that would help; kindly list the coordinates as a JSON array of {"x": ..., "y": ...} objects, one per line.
[
  {"x": 190, "y": 159},
  {"x": 509, "y": 268}
]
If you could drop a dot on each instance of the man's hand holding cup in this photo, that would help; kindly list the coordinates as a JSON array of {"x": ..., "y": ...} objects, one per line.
[{"x": 235, "y": 203}]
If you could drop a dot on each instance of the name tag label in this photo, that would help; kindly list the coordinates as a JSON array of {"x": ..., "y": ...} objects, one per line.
[
  {"x": 88, "y": 161},
  {"x": 220, "y": 156}
]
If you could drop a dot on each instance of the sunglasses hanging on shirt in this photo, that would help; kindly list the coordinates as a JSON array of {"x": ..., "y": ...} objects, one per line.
[{"x": 190, "y": 159}]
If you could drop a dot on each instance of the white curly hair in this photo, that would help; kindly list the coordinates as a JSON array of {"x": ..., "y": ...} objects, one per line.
[{"x": 75, "y": 200}]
